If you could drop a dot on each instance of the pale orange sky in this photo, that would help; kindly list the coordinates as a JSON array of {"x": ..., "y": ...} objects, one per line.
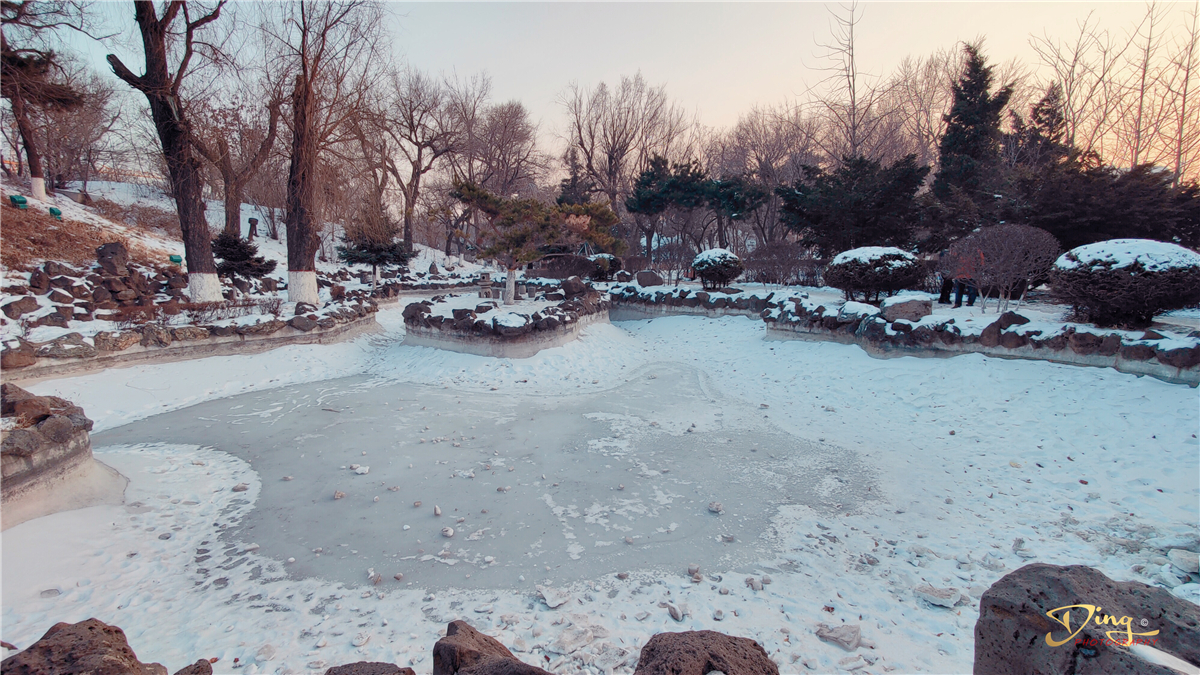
[{"x": 717, "y": 59}]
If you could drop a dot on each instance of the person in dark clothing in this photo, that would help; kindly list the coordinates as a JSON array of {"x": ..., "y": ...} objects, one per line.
[
  {"x": 947, "y": 278},
  {"x": 967, "y": 285}
]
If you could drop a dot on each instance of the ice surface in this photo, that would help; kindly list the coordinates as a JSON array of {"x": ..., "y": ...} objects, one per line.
[{"x": 623, "y": 464}]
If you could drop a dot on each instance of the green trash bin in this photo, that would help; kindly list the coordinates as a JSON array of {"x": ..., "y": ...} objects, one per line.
[
  {"x": 18, "y": 201},
  {"x": 56, "y": 212},
  {"x": 176, "y": 259}
]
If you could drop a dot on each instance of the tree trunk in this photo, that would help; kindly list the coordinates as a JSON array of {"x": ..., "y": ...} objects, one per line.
[
  {"x": 510, "y": 288},
  {"x": 183, "y": 166},
  {"x": 37, "y": 179},
  {"x": 302, "y": 236},
  {"x": 233, "y": 207}
]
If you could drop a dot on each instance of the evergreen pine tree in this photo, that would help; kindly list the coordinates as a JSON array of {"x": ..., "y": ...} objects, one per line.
[
  {"x": 239, "y": 258},
  {"x": 970, "y": 148},
  {"x": 371, "y": 240},
  {"x": 576, "y": 188}
]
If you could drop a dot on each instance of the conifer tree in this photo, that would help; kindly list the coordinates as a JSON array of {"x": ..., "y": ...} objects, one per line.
[{"x": 970, "y": 148}]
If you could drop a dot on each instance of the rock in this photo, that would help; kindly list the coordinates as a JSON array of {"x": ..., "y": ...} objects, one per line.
[
  {"x": 1183, "y": 357},
  {"x": 302, "y": 323},
  {"x": 573, "y": 287},
  {"x": 55, "y": 319},
  {"x": 990, "y": 337},
  {"x": 754, "y": 584},
  {"x": 61, "y": 297},
  {"x": 156, "y": 336},
  {"x": 553, "y": 596},
  {"x": 39, "y": 282},
  {"x": 701, "y": 652},
  {"x": 69, "y": 346},
  {"x": 942, "y": 597},
  {"x": 447, "y": 532},
  {"x": 847, "y": 636},
  {"x": 1084, "y": 344},
  {"x": 261, "y": 328},
  {"x": 113, "y": 258},
  {"x": 623, "y": 277},
  {"x": 1014, "y": 624},
  {"x": 337, "y": 292},
  {"x": 304, "y": 308},
  {"x": 716, "y": 507},
  {"x": 240, "y": 487},
  {"x": 1013, "y": 340},
  {"x": 466, "y": 650},
  {"x": 200, "y": 667},
  {"x": 25, "y": 304},
  {"x": 571, "y": 640},
  {"x": 189, "y": 333},
  {"x": 1137, "y": 352},
  {"x": 1188, "y": 561},
  {"x": 906, "y": 307},
  {"x": 648, "y": 278},
  {"x": 369, "y": 668},
  {"x": 92, "y": 647},
  {"x": 1009, "y": 319},
  {"x": 414, "y": 311},
  {"x": 21, "y": 357}
]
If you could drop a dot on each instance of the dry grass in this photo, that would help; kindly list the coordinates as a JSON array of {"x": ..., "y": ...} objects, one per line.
[
  {"x": 30, "y": 236},
  {"x": 149, "y": 218}
]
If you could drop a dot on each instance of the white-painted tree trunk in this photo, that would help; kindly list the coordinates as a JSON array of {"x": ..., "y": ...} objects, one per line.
[
  {"x": 38, "y": 187},
  {"x": 302, "y": 287},
  {"x": 204, "y": 287},
  {"x": 510, "y": 288}
]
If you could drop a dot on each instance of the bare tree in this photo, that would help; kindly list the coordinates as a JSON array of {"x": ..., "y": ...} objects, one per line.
[
  {"x": 857, "y": 123},
  {"x": 233, "y": 138},
  {"x": 1004, "y": 258},
  {"x": 616, "y": 130},
  {"x": 328, "y": 48},
  {"x": 1185, "y": 141},
  {"x": 421, "y": 129},
  {"x": 161, "y": 85},
  {"x": 76, "y": 138}
]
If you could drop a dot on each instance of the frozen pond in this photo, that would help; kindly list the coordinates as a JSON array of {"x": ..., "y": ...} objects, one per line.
[{"x": 548, "y": 488}]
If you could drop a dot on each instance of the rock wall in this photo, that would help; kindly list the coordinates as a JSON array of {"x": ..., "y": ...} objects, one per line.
[
  {"x": 46, "y": 462},
  {"x": 1159, "y": 358},
  {"x": 481, "y": 332},
  {"x": 156, "y": 344}
]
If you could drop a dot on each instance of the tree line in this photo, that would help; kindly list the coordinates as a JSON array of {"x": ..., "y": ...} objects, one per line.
[{"x": 334, "y": 136}]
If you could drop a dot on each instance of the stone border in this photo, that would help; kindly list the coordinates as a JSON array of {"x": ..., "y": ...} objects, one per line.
[
  {"x": 519, "y": 347},
  {"x": 887, "y": 349},
  {"x": 233, "y": 345},
  {"x": 47, "y": 463},
  {"x": 799, "y": 319}
]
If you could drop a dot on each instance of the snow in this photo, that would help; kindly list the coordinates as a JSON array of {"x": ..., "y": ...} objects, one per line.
[
  {"x": 905, "y": 296},
  {"x": 713, "y": 256},
  {"x": 510, "y": 320},
  {"x": 868, "y": 254},
  {"x": 1026, "y": 434},
  {"x": 1154, "y": 256}
]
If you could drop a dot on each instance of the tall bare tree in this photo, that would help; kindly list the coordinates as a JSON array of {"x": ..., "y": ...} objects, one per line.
[
  {"x": 328, "y": 48},
  {"x": 169, "y": 44},
  {"x": 75, "y": 139},
  {"x": 237, "y": 142},
  {"x": 421, "y": 128},
  {"x": 1185, "y": 141},
  {"x": 616, "y": 130}
]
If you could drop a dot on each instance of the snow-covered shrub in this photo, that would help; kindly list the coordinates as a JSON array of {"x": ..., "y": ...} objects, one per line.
[
  {"x": 872, "y": 270},
  {"x": 717, "y": 267},
  {"x": 1126, "y": 282},
  {"x": 606, "y": 265}
]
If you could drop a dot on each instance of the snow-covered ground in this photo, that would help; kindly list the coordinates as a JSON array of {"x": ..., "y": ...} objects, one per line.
[{"x": 882, "y": 475}]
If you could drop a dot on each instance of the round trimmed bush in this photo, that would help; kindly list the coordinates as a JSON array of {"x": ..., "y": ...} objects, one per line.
[
  {"x": 872, "y": 270},
  {"x": 1126, "y": 282},
  {"x": 606, "y": 265},
  {"x": 716, "y": 267}
]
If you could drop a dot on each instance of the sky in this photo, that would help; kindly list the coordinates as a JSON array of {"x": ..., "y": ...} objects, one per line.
[{"x": 717, "y": 59}]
